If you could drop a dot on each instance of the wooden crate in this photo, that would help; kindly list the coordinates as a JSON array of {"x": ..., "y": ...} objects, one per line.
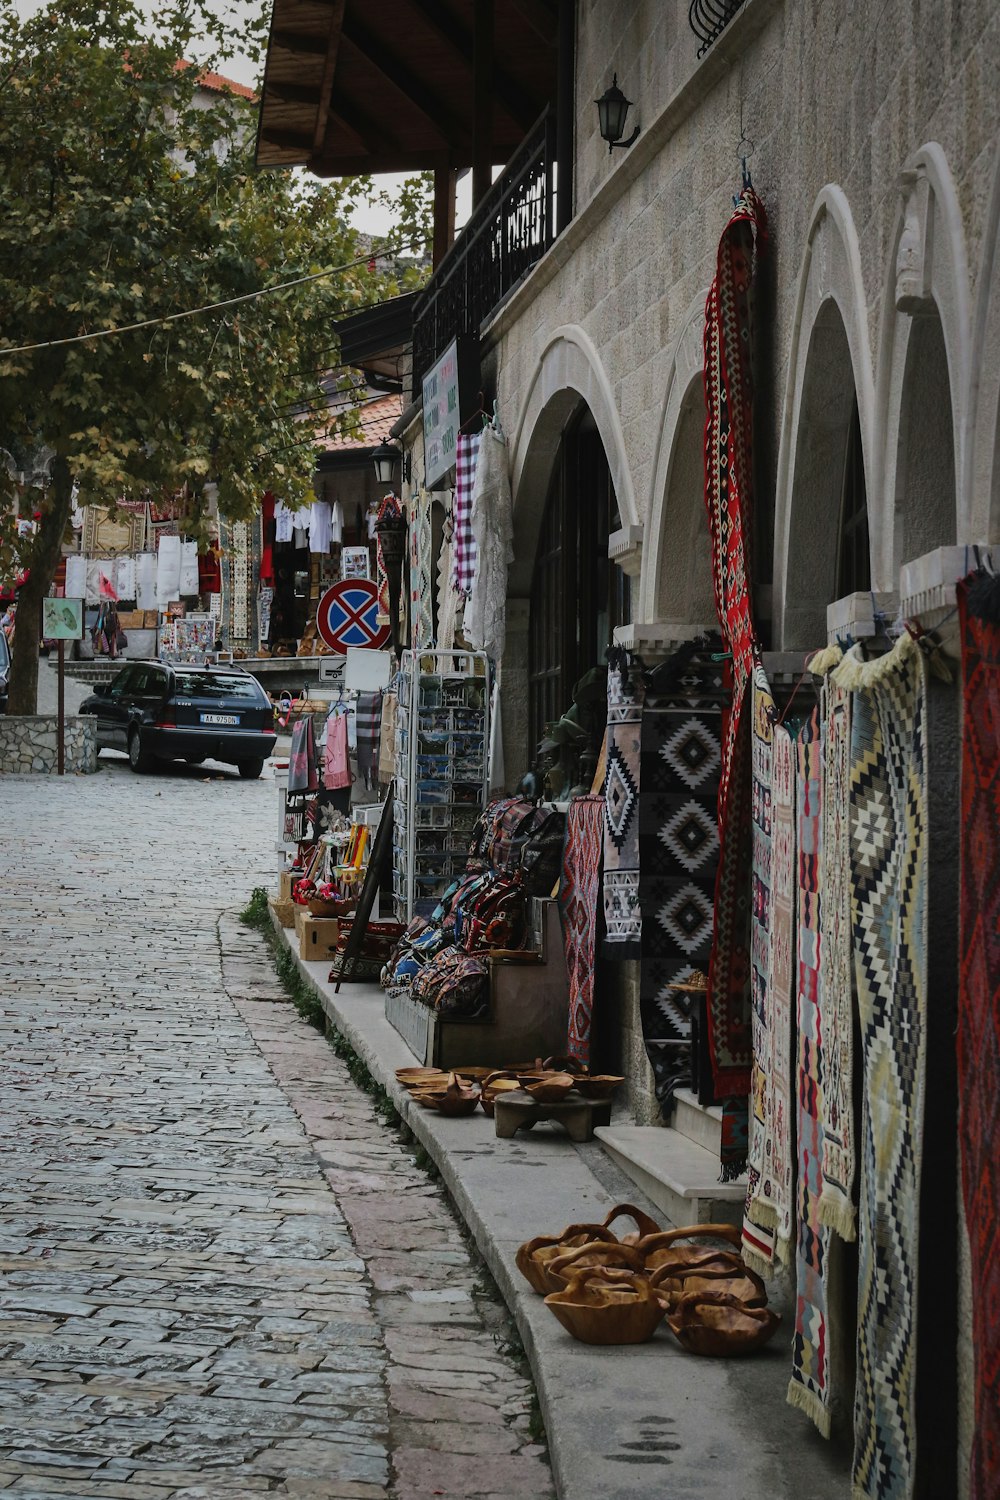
[{"x": 317, "y": 937}]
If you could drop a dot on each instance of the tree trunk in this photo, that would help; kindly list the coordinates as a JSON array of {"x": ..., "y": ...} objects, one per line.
[{"x": 43, "y": 561}]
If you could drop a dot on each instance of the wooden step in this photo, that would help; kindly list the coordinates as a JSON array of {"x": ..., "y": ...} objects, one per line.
[{"x": 678, "y": 1175}]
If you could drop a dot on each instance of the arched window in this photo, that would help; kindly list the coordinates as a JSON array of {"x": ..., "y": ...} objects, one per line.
[
  {"x": 578, "y": 596},
  {"x": 854, "y": 573}
]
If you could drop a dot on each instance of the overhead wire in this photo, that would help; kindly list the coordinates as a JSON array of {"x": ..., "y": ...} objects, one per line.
[{"x": 193, "y": 312}]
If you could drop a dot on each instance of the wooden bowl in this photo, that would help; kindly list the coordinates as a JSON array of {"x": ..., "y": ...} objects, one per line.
[
  {"x": 606, "y": 1306},
  {"x": 670, "y": 1246},
  {"x": 412, "y": 1078},
  {"x": 593, "y": 1255},
  {"x": 551, "y": 1089},
  {"x": 725, "y": 1273},
  {"x": 534, "y": 1256},
  {"x": 598, "y": 1085},
  {"x": 716, "y": 1324}
]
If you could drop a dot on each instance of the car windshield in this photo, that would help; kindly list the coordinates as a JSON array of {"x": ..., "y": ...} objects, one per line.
[{"x": 213, "y": 685}]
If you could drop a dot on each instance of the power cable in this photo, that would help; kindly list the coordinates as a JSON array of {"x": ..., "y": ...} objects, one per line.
[{"x": 193, "y": 312}]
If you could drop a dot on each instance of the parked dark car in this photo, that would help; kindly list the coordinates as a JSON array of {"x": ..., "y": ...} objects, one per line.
[
  {"x": 4, "y": 672},
  {"x": 158, "y": 711}
]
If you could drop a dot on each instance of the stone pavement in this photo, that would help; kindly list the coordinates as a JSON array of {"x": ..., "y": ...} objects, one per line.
[{"x": 220, "y": 1274}]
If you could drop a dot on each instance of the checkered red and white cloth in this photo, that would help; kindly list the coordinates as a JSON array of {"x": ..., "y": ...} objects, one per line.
[{"x": 463, "y": 547}]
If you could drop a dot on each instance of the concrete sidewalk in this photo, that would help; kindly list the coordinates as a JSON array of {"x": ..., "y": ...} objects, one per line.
[{"x": 623, "y": 1423}]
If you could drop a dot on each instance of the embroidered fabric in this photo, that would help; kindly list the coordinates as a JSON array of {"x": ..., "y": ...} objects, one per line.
[
  {"x": 189, "y": 568},
  {"x": 145, "y": 580},
  {"x": 493, "y": 533},
  {"x": 319, "y": 527},
  {"x": 76, "y": 577},
  {"x": 168, "y": 570}
]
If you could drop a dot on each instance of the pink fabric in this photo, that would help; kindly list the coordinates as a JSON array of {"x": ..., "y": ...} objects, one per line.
[{"x": 336, "y": 769}]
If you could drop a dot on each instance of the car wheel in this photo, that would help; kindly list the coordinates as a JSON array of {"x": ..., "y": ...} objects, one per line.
[
  {"x": 250, "y": 769},
  {"x": 138, "y": 757}
]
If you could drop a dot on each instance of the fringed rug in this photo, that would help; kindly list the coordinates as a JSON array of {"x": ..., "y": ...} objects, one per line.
[
  {"x": 622, "y": 913},
  {"x": 979, "y": 1007},
  {"x": 579, "y": 893},
  {"x": 776, "y": 1190},
  {"x": 421, "y": 570},
  {"x": 888, "y": 835},
  {"x": 836, "y": 1202},
  {"x": 758, "y": 1219},
  {"x": 809, "y": 1387},
  {"x": 678, "y": 858},
  {"x": 728, "y": 496}
]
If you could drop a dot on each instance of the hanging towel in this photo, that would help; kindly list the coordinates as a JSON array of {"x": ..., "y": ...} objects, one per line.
[
  {"x": 493, "y": 537},
  {"x": 189, "y": 568},
  {"x": 168, "y": 570},
  {"x": 302, "y": 769},
  {"x": 145, "y": 580},
  {"x": 336, "y": 767},
  {"x": 463, "y": 547},
  {"x": 336, "y": 523},
  {"x": 76, "y": 578},
  {"x": 124, "y": 579},
  {"x": 300, "y": 531},
  {"x": 369, "y": 718},
  {"x": 97, "y": 570}
]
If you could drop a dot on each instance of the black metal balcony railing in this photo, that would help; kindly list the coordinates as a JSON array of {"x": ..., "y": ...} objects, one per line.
[
  {"x": 709, "y": 18},
  {"x": 511, "y": 228}
]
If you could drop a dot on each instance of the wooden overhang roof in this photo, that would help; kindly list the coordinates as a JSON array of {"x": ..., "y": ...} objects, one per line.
[{"x": 353, "y": 87}]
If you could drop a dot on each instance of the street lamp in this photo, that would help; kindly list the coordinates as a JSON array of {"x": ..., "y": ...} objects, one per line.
[
  {"x": 385, "y": 458},
  {"x": 612, "y": 107}
]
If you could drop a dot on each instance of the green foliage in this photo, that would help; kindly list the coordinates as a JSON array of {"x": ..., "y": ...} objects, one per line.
[
  {"x": 128, "y": 194},
  {"x": 256, "y": 913}
]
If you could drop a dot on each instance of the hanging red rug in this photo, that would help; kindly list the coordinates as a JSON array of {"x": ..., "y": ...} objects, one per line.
[
  {"x": 979, "y": 1006},
  {"x": 728, "y": 500}
]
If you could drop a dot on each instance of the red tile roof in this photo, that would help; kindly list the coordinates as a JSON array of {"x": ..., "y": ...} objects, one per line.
[
  {"x": 377, "y": 417},
  {"x": 216, "y": 83}
]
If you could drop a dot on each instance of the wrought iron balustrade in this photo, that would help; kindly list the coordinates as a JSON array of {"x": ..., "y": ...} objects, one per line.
[
  {"x": 709, "y": 18},
  {"x": 510, "y": 229}
]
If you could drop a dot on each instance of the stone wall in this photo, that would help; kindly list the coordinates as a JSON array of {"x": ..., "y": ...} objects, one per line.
[{"x": 28, "y": 744}]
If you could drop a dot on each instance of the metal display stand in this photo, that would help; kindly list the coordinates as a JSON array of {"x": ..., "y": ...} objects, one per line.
[{"x": 442, "y": 771}]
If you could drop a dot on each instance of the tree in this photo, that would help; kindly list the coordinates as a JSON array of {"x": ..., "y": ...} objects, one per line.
[{"x": 124, "y": 200}]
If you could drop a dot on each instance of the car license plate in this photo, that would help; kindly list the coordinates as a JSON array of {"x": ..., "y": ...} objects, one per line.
[{"x": 219, "y": 718}]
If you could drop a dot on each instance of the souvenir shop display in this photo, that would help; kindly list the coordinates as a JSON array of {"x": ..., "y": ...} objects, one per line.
[{"x": 442, "y": 731}]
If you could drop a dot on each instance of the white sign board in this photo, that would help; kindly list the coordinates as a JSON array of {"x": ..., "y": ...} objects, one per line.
[{"x": 367, "y": 671}]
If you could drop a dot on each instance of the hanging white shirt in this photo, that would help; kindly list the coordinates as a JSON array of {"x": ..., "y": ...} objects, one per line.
[
  {"x": 336, "y": 524},
  {"x": 319, "y": 526},
  {"x": 283, "y": 523}
]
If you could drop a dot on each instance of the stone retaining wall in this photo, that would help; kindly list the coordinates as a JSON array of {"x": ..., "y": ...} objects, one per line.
[{"x": 28, "y": 744}]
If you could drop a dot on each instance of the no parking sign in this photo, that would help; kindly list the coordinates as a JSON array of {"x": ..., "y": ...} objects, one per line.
[{"x": 347, "y": 615}]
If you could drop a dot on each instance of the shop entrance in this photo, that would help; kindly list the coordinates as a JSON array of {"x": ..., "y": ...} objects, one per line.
[{"x": 578, "y": 596}]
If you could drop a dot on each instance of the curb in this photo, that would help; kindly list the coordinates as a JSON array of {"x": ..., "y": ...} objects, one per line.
[{"x": 627, "y": 1422}]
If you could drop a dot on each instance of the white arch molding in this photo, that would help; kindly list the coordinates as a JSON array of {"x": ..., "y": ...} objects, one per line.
[
  {"x": 925, "y": 300},
  {"x": 569, "y": 371},
  {"x": 983, "y": 497},
  {"x": 667, "y": 528},
  {"x": 830, "y": 308}
]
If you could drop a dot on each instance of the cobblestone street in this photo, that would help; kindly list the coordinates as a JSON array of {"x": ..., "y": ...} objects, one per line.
[{"x": 220, "y": 1273}]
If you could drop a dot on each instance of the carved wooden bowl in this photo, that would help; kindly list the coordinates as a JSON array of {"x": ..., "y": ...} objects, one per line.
[
  {"x": 716, "y": 1324},
  {"x": 607, "y": 1306}
]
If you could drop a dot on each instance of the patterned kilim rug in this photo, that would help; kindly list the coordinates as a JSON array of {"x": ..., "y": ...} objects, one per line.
[
  {"x": 758, "y": 1218},
  {"x": 836, "y": 1203},
  {"x": 678, "y": 858},
  {"x": 728, "y": 496},
  {"x": 579, "y": 895},
  {"x": 888, "y": 835},
  {"x": 979, "y": 1006},
  {"x": 776, "y": 1191},
  {"x": 809, "y": 1387},
  {"x": 622, "y": 913}
]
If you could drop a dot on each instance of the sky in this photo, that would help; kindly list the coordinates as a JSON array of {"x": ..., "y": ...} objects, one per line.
[{"x": 371, "y": 220}]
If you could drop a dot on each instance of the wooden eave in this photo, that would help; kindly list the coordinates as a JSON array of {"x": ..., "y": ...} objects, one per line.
[{"x": 351, "y": 87}]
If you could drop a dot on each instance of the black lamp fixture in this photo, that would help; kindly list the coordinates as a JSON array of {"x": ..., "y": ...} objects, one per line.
[
  {"x": 612, "y": 107},
  {"x": 385, "y": 458}
]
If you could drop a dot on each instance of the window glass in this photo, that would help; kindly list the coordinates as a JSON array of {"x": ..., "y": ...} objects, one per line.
[
  {"x": 123, "y": 682},
  {"x": 214, "y": 685}
]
